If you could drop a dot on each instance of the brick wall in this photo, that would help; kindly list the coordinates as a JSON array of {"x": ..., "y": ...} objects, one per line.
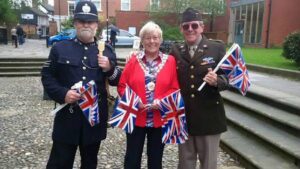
[
  {"x": 131, "y": 19},
  {"x": 62, "y": 5},
  {"x": 115, "y": 5},
  {"x": 284, "y": 20},
  {"x": 52, "y": 28}
]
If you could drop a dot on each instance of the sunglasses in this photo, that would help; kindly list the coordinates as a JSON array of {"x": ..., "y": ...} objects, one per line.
[{"x": 187, "y": 26}]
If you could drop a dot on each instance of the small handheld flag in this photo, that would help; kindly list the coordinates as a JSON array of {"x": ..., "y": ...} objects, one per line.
[
  {"x": 125, "y": 111},
  {"x": 174, "y": 130},
  {"x": 234, "y": 66},
  {"x": 89, "y": 102},
  {"x": 236, "y": 71}
]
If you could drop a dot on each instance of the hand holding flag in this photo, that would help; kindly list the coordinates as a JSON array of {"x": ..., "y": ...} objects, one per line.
[
  {"x": 89, "y": 102},
  {"x": 174, "y": 130},
  {"x": 234, "y": 66},
  {"x": 126, "y": 109}
]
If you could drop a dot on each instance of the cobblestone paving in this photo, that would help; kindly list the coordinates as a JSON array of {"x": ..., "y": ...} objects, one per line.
[{"x": 26, "y": 126}]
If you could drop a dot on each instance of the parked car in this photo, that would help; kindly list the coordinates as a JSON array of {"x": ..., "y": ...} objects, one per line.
[
  {"x": 64, "y": 35},
  {"x": 124, "y": 38},
  {"x": 166, "y": 45}
]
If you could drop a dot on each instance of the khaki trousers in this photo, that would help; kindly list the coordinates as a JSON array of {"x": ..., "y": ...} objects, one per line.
[{"x": 203, "y": 147}]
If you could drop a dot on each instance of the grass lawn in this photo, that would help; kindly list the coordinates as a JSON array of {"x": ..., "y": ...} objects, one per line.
[{"x": 268, "y": 57}]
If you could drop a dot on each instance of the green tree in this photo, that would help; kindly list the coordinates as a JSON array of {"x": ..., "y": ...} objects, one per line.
[
  {"x": 7, "y": 15},
  {"x": 213, "y": 8},
  {"x": 36, "y": 3},
  {"x": 176, "y": 7},
  {"x": 67, "y": 24}
]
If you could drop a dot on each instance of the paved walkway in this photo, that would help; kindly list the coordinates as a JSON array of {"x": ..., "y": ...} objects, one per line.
[
  {"x": 26, "y": 125},
  {"x": 37, "y": 49}
]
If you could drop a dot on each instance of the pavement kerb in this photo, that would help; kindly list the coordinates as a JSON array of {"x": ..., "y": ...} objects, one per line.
[{"x": 275, "y": 71}]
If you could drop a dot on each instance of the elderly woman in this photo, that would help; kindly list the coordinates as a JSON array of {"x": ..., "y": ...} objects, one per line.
[{"x": 151, "y": 75}]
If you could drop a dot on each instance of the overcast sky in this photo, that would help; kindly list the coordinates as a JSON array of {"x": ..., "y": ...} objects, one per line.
[{"x": 51, "y": 2}]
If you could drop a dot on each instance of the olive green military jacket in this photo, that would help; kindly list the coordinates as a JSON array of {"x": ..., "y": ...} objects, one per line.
[{"x": 205, "y": 112}]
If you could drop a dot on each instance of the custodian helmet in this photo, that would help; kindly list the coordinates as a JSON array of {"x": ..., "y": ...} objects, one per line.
[{"x": 86, "y": 11}]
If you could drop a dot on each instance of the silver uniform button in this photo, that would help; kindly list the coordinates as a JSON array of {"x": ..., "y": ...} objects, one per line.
[
  {"x": 192, "y": 67},
  {"x": 83, "y": 67},
  {"x": 83, "y": 77},
  {"x": 192, "y": 76},
  {"x": 84, "y": 57},
  {"x": 67, "y": 62},
  {"x": 192, "y": 86},
  {"x": 86, "y": 48},
  {"x": 192, "y": 95},
  {"x": 217, "y": 102}
]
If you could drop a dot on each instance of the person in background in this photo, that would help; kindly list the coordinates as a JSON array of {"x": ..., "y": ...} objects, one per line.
[
  {"x": 69, "y": 62},
  {"x": 20, "y": 34},
  {"x": 113, "y": 36},
  {"x": 14, "y": 38},
  {"x": 205, "y": 114},
  {"x": 151, "y": 75}
]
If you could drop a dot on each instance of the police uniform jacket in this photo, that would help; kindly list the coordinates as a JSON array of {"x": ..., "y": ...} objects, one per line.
[
  {"x": 204, "y": 110},
  {"x": 70, "y": 62}
]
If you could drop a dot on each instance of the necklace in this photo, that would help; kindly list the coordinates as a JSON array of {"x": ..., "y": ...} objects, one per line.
[{"x": 147, "y": 70}]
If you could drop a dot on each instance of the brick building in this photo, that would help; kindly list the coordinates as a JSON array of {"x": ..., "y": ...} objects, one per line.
[
  {"x": 263, "y": 23},
  {"x": 63, "y": 9}
]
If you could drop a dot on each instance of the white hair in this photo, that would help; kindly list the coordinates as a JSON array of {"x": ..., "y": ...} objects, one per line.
[{"x": 150, "y": 27}]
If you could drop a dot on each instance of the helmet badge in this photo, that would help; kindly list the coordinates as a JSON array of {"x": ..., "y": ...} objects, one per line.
[{"x": 86, "y": 8}]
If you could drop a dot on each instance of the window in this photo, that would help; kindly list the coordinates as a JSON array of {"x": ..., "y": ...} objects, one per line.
[
  {"x": 251, "y": 17},
  {"x": 97, "y": 4},
  {"x": 154, "y": 4},
  {"x": 125, "y": 5},
  {"x": 71, "y": 8}
]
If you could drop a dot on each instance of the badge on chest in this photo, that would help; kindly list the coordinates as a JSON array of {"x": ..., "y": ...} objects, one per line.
[{"x": 207, "y": 60}]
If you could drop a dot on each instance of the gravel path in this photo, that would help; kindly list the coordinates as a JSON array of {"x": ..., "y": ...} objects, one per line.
[{"x": 26, "y": 126}]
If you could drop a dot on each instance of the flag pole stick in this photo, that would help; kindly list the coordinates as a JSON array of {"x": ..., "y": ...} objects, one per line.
[{"x": 231, "y": 49}]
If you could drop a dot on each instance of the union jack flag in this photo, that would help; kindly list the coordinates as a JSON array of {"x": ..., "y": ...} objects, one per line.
[
  {"x": 174, "y": 130},
  {"x": 89, "y": 102},
  {"x": 236, "y": 71},
  {"x": 125, "y": 111}
]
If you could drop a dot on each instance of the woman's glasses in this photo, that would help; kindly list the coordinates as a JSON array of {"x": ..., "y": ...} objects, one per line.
[{"x": 187, "y": 26}]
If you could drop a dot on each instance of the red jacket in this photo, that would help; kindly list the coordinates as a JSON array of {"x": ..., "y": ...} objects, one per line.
[{"x": 166, "y": 83}]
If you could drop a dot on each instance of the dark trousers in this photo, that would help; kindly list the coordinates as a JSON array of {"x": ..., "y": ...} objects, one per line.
[
  {"x": 62, "y": 156},
  {"x": 14, "y": 40},
  {"x": 113, "y": 42},
  {"x": 135, "y": 144}
]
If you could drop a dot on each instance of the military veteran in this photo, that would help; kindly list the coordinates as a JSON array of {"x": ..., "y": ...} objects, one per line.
[{"x": 196, "y": 58}]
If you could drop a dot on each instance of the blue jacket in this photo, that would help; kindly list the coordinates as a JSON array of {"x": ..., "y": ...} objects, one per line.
[{"x": 70, "y": 62}]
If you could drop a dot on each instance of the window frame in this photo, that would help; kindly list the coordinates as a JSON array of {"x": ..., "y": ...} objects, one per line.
[{"x": 127, "y": 2}]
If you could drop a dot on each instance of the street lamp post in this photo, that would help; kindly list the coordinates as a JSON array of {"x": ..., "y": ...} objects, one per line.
[
  {"x": 106, "y": 20},
  {"x": 59, "y": 15}
]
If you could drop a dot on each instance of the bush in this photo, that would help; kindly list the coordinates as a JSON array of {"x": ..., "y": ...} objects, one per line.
[
  {"x": 291, "y": 47},
  {"x": 172, "y": 33}
]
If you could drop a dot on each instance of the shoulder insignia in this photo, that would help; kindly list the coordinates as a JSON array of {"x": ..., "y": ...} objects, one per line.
[{"x": 216, "y": 40}]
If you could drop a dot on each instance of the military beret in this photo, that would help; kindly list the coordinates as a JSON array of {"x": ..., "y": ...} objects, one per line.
[
  {"x": 86, "y": 11},
  {"x": 191, "y": 14}
]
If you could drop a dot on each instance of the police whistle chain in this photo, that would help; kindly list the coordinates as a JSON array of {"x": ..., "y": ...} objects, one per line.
[
  {"x": 59, "y": 107},
  {"x": 228, "y": 53}
]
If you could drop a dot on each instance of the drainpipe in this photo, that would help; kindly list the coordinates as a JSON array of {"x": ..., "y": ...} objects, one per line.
[
  {"x": 107, "y": 21},
  {"x": 268, "y": 25}
]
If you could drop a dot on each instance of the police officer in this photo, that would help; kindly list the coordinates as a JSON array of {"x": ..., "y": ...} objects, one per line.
[
  {"x": 69, "y": 62},
  {"x": 196, "y": 58}
]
